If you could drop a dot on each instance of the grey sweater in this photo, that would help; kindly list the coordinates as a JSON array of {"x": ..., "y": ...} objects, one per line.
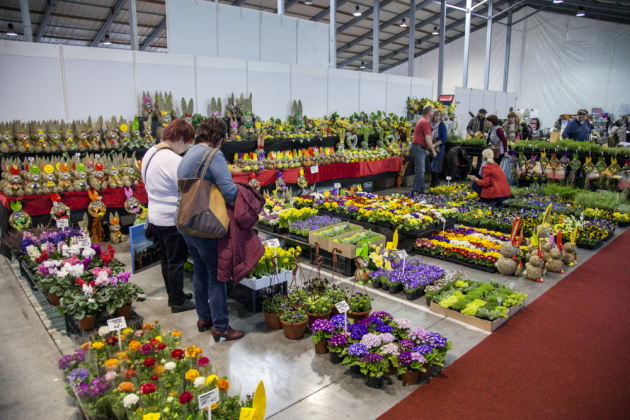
[{"x": 218, "y": 173}]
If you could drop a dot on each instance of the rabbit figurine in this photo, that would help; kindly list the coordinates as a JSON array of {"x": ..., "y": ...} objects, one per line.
[
  {"x": 38, "y": 138},
  {"x": 114, "y": 230},
  {"x": 123, "y": 132},
  {"x": 67, "y": 137},
  {"x": 533, "y": 269},
  {"x": 135, "y": 140},
  {"x": 7, "y": 140},
  {"x": 298, "y": 117},
  {"x": 22, "y": 137},
  {"x": 14, "y": 186},
  {"x": 33, "y": 176},
  {"x": 129, "y": 178},
  {"x": 233, "y": 129},
  {"x": 132, "y": 205},
  {"x": 156, "y": 106},
  {"x": 80, "y": 177},
  {"x": 97, "y": 179},
  {"x": 165, "y": 117},
  {"x": 215, "y": 106},
  {"x": 229, "y": 107},
  {"x": 187, "y": 111},
  {"x": 19, "y": 219},
  {"x": 54, "y": 137},
  {"x": 114, "y": 180},
  {"x": 81, "y": 135},
  {"x": 96, "y": 208},
  {"x": 111, "y": 135},
  {"x": 64, "y": 178},
  {"x": 49, "y": 180},
  {"x": 148, "y": 139},
  {"x": 147, "y": 108},
  {"x": 246, "y": 130},
  {"x": 59, "y": 211}
]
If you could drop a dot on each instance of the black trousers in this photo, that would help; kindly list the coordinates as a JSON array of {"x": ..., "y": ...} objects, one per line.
[{"x": 173, "y": 255}]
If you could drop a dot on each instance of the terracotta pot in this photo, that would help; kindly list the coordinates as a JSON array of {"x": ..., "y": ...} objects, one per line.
[
  {"x": 124, "y": 311},
  {"x": 54, "y": 299},
  {"x": 391, "y": 370},
  {"x": 293, "y": 331},
  {"x": 358, "y": 316},
  {"x": 426, "y": 367},
  {"x": 313, "y": 317},
  {"x": 321, "y": 348},
  {"x": 409, "y": 378},
  {"x": 374, "y": 382},
  {"x": 335, "y": 311},
  {"x": 272, "y": 320},
  {"x": 335, "y": 358},
  {"x": 87, "y": 323}
]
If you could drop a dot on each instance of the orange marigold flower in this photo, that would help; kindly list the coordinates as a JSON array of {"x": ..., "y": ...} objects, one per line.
[
  {"x": 111, "y": 363},
  {"x": 147, "y": 327},
  {"x": 126, "y": 387},
  {"x": 176, "y": 334},
  {"x": 214, "y": 406},
  {"x": 198, "y": 350},
  {"x": 134, "y": 345},
  {"x": 130, "y": 373},
  {"x": 159, "y": 369},
  {"x": 223, "y": 384}
]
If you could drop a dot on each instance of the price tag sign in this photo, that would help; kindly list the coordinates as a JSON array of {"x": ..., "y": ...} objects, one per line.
[
  {"x": 62, "y": 223},
  {"x": 511, "y": 285},
  {"x": 342, "y": 307},
  {"x": 499, "y": 300},
  {"x": 24, "y": 122},
  {"x": 116, "y": 324},
  {"x": 367, "y": 185},
  {"x": 206, "y": 400},
  {"x": 442, "y": 219},
  {"x": 314, "y": 169},
  {"x": 362, "y": 234},
  {"x": 337, "y": 185},
  {"x": 272, "y": 243},
  {"x": 291, "y": 200},
  {"x": 84, "y": 242},
  {"x": 402, "y": 254},
  {"x": 30, "y": 158},
  {"x": 97, "y": 156},
  {"x": 448, "y": 178},
  {"x": 336, "y": 228},
  {"x": 77, "y": 154}
]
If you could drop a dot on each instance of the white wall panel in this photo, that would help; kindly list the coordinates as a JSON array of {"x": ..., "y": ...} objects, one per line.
[
  {"x": 373, "y": 92},
  {"x": 422, "y": 88},
  {"x": 501, "y": 104},
  {"x": 166, "y": 73},
  {"x": 219, "y": 78},
  {"x": 310, "y": 85},
  {"x": 278, "y": 38},
  {"x": 343, "y": 92},
  {"x": 462, "y": 102},
  {"x": 191, "y": 27},
  {"x": 489, "y": 101},
  {"x": 99, "y": 81},
  {"x": 239, "y": 32},
  {"x": 398, "y": 89},
  {"x": 312, "y": 43},
  {"x": 270, "y": 85},
  {"x": 31, "y": 85}
]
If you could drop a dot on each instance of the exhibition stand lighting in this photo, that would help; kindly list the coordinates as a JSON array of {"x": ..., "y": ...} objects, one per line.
[
  {"x": 580, "y": 12},
  {"x": 107, "y": 41},
  {"x": 403, "y": 24},
  {"x": 357, "y": 12},
  {"x": 362, "y": 64},
  {"x": 10, "y": 30},
  {"x": 308, "y": 2},
  {"x": 435, "y": 31},
  {"x": 557, "y": 1}
]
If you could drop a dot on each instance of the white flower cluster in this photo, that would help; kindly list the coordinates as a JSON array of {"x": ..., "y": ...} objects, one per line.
[
  {"x": 103, "y": 331},
  {"x": 68, "y": 251},
  {"x": 88, "y": 252},
  {"x": 101, "y": 279},
  {"x": 199, "y": 382},
  {"x": 52, "y": 265},
  {"x": 170, "y": 366},
  {"x": 70, "y": 270},
  {"x": 130, "y": 400},
  {"x": 33, "y": 252}
]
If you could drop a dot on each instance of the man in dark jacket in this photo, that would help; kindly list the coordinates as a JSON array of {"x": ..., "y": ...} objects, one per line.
[
  {"x": 579, "y": 128},
  {"x": 478, "y": 124}
]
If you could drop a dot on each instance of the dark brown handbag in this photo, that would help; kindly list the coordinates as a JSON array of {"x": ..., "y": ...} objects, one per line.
[
  {"x": 496, "y": 149},
  {"x": 202, "y": 212}
]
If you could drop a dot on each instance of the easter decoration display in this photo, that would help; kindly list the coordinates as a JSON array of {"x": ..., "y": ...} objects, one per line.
[
  {"x": 14, "y": 182},
  {"x": 59, "y": 211},
  {"x": 253, "y": 182},
  {"x": 555, "y": 261},
  {"x": 19, "y": 219},
  {"x": 80, "y": 177},
  {"x": 34, "y": 182},
  {"x": 115, "y": 236},
  {"x": 132, "y": 205},
  {"x": 510, "y": 261},
  {"x": 97, "y": 210}
]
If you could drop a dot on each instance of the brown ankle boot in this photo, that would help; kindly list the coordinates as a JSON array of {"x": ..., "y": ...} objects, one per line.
[
  {"x": 204, "y": 325},
  {"x": 229, "y": 334}
]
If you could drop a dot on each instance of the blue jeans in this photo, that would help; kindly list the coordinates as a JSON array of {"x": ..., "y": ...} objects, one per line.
[
  {"x": 436, "y": 160},
  {"x": 210, "y": 293},
  {"x": 419, "y": 156}
]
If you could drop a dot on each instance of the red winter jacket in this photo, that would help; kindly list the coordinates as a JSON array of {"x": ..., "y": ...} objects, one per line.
[
  {"x": 241, "y": 249},
  {"x": 494, "y": 182}
]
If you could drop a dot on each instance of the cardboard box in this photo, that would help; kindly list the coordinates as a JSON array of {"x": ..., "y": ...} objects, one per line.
[
  {"x": 350, "y": 251},
  {"x": 324, "y": 243},
  {"x": 470, "y": 320}
]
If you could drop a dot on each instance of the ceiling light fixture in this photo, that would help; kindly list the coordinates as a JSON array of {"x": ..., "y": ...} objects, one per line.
[
  {"x": 435, "y": 31},
  {"x": 403, "y": 24},
  {"x": 107, "y": 41},
  {"x": 10, "y": 30},
  {"x": 557, "y": 1},
  {"x": 357, "y": 12},
  {"x": 362, "y": 65},
  {"x": 308, "y": 2},
  {"x": 580, "y": 12}
]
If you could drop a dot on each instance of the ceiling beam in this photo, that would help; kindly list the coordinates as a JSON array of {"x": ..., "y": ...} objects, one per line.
[
  {"x": 43, "y": 24},
  {"x": 238, "y": 3},
  {"x": 326, "y": 11},
  {"x": 571, "y": 6},
  {"x": 290, "y": 3},
  {"x": 367, "y": 13},
  {"x": 108, "y": 22},
  {"x": 154, "y": 34}
]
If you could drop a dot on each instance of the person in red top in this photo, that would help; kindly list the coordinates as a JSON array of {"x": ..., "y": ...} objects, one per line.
[
  {"x": 421, "y": 142},
  {"x": 493, "y": 187}
]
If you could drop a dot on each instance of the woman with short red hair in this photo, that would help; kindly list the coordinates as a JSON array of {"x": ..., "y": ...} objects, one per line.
[{"x": 159, "y": 172}]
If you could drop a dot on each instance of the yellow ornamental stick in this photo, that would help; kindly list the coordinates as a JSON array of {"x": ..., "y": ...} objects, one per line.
[
  {"x": 574, "y": 236},
  {"x": 259, "y": 405},
  {"x": 547, "y": 214}
]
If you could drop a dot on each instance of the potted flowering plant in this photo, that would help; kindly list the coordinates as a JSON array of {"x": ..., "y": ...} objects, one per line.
[
  {"x": 409, "y": 364},
  {"x": 317, "y": 307},
  {"x": 336, "y": 344},
  {"x": 272, "y": 307},
  {"x": 322, "y": 331},
  {"x": 336, "y": 294},
  {"x": 360, "y": 306},
  {"x": 120, "y": 293},
  {"x": 352, "y": 356},
  {"x": 293, "y": 322},
  {"x": 373, "y": 366}
]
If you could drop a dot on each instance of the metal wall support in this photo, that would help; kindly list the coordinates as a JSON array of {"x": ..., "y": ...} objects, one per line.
[
  {"x": 26, "y": 20},
  {"x": 332, "y": 47},
  {"x": 441, "y": 52},
  {"x": 412, "y": 36},
  {"x": 281, "y": 7},
  {"x": 486, "y": 74},
  {"x": 133, "y": 24},
  {"x": 508, "y": 39},
  {"x": 466, "y": 43},
  {"x": 375, "y": 39},
  {"x": 43, "y": 24}
]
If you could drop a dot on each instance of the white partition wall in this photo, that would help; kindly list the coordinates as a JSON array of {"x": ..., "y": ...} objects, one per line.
[
  {"x": 312, "y": 43},
  {"x": 278, "y": 35},
  {"x": 238, "y": 33},
  {"x": 110, "y": 82},
  {"x": 472, "y": 100},
  {"x": 191, "y": 27}
]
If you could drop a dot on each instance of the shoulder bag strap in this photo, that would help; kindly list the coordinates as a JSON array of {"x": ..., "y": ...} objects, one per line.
[
  {"x": 158, "y": 147},
  {"x": 205, "y": 169}
]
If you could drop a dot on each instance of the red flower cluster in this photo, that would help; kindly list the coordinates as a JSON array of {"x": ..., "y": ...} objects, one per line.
[
  {"x": 203, "y": 362},
  {"x": 154, "y": 378},
  {"x": 148, "y": 388},
  {"x": 82, "y": 282},
  {"x": 153, "y": 342},
  {"x": 185, "y": 398},
  {"x": 108, "y": 257},
  {"x": 130, "y": 373},
  {"x": 161, "y": 346},
  {"x": 42, "y": 257},
  {"x": 111, "y": 341},
  {"x": 150, "y": 362},
  {"x": 177, "y": 354}
]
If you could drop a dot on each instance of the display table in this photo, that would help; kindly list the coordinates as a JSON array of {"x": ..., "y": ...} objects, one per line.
[{"x": 326, "y": 172}]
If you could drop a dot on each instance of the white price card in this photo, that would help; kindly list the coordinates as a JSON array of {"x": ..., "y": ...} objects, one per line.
[
  {"x": 62, "y": 223},
  {"x": 206, "y": 400},
  {"x": 342, "y": 307},
  {"x": 442, "y": 219},
  {"x": 77, "y": 154},
  {"x": 84, "y": 242},
  {"x": 291, "y": 200},
  {"x": 337, "y": 185},
  {"x": 336, "y": 228},
  {"x": 30, "y": 158},
  {"x": 448, "y": 178},
  {"x": 402, "y": 254},
  {"x": 97, "y": 156},
  {"x": 511, "y": 285},
  {"x": 499, "y": 300},
  {"x": 272, "y": 243},
  {"x": 116, "y": 324},
  {"x": 314, "y": 169}
]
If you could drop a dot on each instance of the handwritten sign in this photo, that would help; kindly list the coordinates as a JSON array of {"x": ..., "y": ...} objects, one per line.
[
  {"x": 499, "y": 300},
  {"x": 84, "y": 242},
  {"x": 272, "y": 243},
  {"x": 402, "y": 254},
  {"x": 30, "y": 158},
  {"x": 77, "y": 154},
  {"x": 116, "y": 324},
  {"x": 97, "y": 156},
  {"x": 342, "y": 307},
  {"x": 291, "y": 200},
  {"x": 314, "y": 169},
  {"x": 337, "y": 185},
  {"x": 511, "y": 285},
  {"x": 62, "y": 223},
  {"x": 206, "y": 400}
]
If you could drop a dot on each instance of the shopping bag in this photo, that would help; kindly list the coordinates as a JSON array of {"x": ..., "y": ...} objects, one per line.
[{"x": 507, "y": 170}]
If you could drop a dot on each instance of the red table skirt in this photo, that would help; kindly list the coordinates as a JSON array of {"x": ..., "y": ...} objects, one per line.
[
  {"x": 327, "y": 172},
  {"x": 37, "y": 205}
]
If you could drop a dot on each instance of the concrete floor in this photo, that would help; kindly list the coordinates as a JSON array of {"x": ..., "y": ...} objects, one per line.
[{"x": 299, "y": 383}]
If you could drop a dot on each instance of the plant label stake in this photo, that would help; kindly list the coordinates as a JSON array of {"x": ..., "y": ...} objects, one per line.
[
  {"x": 596, "y": 210},
  {"x": 62, "y": 223},
  {"x": 448, "y": 180},
  {"x": 337, "y": 185},
  {"x": 499, "y": 300},
  {"x": 77, "y": 154},
  {"x": 403, "y": 254},
  {"x": 117, "y": 324},
  {"x": 273, "y": 243},
  {"x": 443, "y": 220},
  {"x": 206, "y": 400},
  {"x": 511, "y": 285},
  {"x": 343, "y": 307},
  {"x": 84, "y": 242}
]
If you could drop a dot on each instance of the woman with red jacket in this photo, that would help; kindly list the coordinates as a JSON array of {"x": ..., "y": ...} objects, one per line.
[{"x": 493, "y": 187}]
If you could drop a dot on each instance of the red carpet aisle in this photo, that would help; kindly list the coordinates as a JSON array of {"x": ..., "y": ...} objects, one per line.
[{"x": 565, "y": 356}]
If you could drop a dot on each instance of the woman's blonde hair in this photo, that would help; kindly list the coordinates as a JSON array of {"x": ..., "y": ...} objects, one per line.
[
  {"x": 488, "y": 155},
  {"x": 436, "y": 113}
]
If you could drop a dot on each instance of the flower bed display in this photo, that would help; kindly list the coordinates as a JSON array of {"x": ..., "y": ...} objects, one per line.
[
  {"x": 148, "y": 375},
  {"x": 412, "y": 280},
  {"x": 301, "y": 228},
  {"x": 274, "y": 267}
]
